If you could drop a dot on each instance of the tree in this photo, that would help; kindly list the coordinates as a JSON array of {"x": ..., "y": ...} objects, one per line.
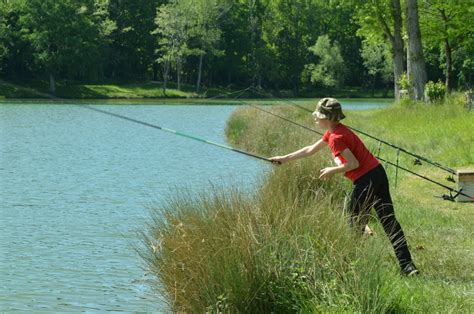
[
  {"x": 205, "y": 30},
  {"x": 446, "y": 26},
  {"x": 377, "y": 60},
  {"x": 16, "y": 52},
  {"x": 132, "y": 43},
  {"x": 289, "y": 28},
  {"x": 3, "y": 33},
  {"x": 416, "y": 63},
  {"x": 174, "y": 24},
  {"x": 386, "y": 15},
  {"x": 330, "y": 70},
  {"x": 256, "y": 59},
  {"x": 65, "y": 36},
  {"x": 230, "y": 67},
  {"x": 397, "y": 44}
]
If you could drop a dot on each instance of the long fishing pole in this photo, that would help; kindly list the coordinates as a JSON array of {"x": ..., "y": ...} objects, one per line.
[
  {"x": 436, "y": 164},
  {"x": 175, "y": 132},
  {"x": 446, "y": 197}
]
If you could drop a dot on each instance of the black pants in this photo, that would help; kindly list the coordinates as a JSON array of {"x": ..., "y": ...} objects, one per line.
[{"x": 372, "y": 190}]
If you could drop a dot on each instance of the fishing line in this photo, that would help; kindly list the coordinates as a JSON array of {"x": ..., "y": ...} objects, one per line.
[
  {"x": 240, "y": 92},
  {"x": 418, "y": 157},
  {"x": 285, "y": 119}
]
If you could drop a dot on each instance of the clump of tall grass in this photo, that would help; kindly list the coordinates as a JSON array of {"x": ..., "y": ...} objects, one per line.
[{"x": 285, "y": 248}]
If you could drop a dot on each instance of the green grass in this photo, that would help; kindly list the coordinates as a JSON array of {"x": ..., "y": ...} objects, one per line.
[
  {"x": 9, "y": 90},
  {"x": 288, "y": 249},
  {"x": 140, "y": 90},
  {"x": 153, "y": 90},
  {"x": 341, "y": 92},
  {"x": 124, "y": 91},
  {"x": 143, "y": 90}
]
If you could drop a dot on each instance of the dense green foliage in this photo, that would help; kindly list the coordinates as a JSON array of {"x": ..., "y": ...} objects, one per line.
[
  {"x": 330, "y": 70},
  {"x": 226, "y": 42},
  {"x": 435, "y": 91}
]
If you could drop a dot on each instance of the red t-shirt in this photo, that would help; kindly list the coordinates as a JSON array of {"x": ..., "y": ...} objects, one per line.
[{"x": 342, "y": 138}]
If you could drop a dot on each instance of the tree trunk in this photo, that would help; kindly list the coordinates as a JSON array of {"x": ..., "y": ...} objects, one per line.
[
  {"x": 198, "y": 85},
  {"x": 417, "y": 61},
  {"x": 385, "y": 92},
  {"x": 165, "y": 75},
  {"x": 155, "y": 71},
  {"x": 397, "y": 46},
  {"x": 178, "y": 72},
  {"x": 409, "y": 69},
  {"x": 52, "y": 85},
  {"x": 448, "y": 52},
  {"x": 449, "y": 66},
  {"x": 373, "y": 86},
  {"x": 254, "y": 36},
  {"x": 229, "y": 77}
]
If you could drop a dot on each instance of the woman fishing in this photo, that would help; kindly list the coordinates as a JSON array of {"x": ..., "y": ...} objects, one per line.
[{"x": 370, "y": 182}]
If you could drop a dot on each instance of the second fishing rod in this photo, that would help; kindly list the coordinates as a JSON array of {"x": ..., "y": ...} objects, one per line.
[
  {"x": 451, "y": 190},
  {"x": 417, "y": 156}
]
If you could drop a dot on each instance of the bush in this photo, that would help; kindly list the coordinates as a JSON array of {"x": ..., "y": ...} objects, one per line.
[
  {"x": 403, "y": 82},
  {"x": 435, "y": 92}
]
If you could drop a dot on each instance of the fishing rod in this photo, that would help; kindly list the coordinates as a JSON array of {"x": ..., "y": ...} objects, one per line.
[
  {"x": 175, "y": 132},
  {"x": 418, "y": 157},
  {"x": 452, "y": 171},
  {"x": 449, "y": 197}
]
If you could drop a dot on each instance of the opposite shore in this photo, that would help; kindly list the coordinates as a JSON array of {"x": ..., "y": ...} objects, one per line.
[{"x": 154, "y": 90}]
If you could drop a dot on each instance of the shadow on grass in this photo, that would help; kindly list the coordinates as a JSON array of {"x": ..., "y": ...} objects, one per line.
[
  {"x": 79, "y": 91},
  {"x": 8, "y": 90}
]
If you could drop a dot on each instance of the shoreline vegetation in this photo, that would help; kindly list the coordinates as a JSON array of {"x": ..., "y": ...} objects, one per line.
[
  {"x": 154, "y": 90},
  {"x": 287, "y": 247}
]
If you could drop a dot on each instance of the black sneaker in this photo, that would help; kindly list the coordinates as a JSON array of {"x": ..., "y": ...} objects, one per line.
[{"x": 410, "y": 270}]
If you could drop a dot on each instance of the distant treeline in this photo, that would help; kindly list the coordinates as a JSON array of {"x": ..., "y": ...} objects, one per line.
[{"x": 274, "y": 44}]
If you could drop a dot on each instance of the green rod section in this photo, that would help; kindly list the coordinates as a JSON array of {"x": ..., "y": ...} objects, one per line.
[{"x": 175, "y": 132}]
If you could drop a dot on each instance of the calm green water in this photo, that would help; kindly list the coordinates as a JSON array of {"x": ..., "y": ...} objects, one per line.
[{"x": 74, "y": 189}]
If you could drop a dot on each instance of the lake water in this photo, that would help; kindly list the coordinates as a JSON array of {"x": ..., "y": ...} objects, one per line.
[{"x": 74, "y": 189}]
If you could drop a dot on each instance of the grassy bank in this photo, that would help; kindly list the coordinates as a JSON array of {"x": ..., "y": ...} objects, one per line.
[
  {"x": 153, "y": 90},
  {"x": 40, "y": 89},
  {"x": 287, "y": 248}
]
